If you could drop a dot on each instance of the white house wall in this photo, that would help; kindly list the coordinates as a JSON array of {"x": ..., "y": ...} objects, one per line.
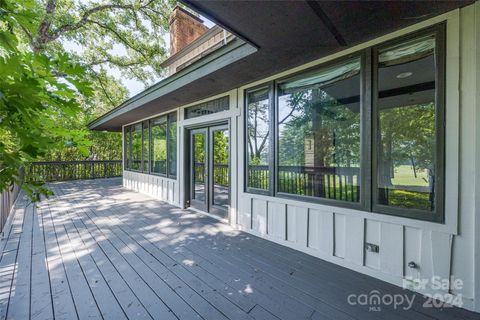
[
  {"x": 156, "y": 186},
  {"x": 338, "y": 234},
  {"x": 171, "y": 190}
]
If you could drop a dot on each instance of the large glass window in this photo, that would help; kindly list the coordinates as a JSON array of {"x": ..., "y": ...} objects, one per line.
[
  {"x": 151, "y": 146},
  {"x": 158, "y": 129},
  {"x": 365, "y": 132},
  {"x": 407, "y": 137},
  {"x": 127, "y": 147},
  {"x": 258, "y": 139},
  {"x": 172, "y": 145},
  {"x": 137, "y": 147},
  {"x": 319, "y": 133},
  {"x": 145, "y": 148}
]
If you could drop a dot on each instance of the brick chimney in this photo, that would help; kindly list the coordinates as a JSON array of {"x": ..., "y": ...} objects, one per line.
[{"x": 184, "y": 28}]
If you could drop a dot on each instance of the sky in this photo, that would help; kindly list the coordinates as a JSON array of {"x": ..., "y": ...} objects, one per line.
[{"x": 132, "y": 85}]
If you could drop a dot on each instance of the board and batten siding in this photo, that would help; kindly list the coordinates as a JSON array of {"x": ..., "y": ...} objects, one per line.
[
  {"x": 159, "y": 187},
  {"x": 339, "y": 235},
  {"x": 172, "y": 190}
]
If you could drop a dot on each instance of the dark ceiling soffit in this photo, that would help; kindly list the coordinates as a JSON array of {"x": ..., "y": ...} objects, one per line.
[
  {"x": 313, "y": 4},
  {"x": 233, "y": 51},
  {"x": 214, "y": 18}
]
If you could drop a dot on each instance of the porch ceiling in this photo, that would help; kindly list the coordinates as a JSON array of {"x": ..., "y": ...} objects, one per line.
[{"x": 278, "y": 35}]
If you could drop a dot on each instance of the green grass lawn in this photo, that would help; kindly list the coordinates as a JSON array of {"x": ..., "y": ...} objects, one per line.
[
  {"x": 409, "y": 199},
  {"x": 404, "y": 176}
]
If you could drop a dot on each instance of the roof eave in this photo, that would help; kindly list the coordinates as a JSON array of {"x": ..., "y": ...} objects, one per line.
[{"x": 231, "y": 52}]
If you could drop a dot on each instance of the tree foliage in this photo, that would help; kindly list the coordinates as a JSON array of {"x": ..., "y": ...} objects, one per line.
[
  {"x": 33, "y": 99},
  {"x": 258, "y": 132},
  {"x": 49, "y": 92},
  {"x": 126, "y": 34}
]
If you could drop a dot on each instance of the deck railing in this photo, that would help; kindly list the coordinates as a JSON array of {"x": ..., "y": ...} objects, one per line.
[
  {"x": 50, "y": 171},
  {"x": 339, "y": 183},
  {"x": 7, "y": 199}
]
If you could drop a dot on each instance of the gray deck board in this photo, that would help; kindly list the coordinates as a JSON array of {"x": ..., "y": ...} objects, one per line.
[
  {"x": 126, "y": 297},
  {"x": 152, "y": 303},
  {"x": 41, "y": 304},
  {"x": 9, "y": 257},
  {"x": 199, "y": 284},
  {"x": 239, "y": 280},
  {"x": 63, "y": 304},
  {"x": 21, "y": 280},
  {"x": 95, "y": 250}
]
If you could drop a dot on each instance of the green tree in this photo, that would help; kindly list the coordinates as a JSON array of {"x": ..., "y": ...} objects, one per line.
[
  {"x": 46, "y": 92},
  {"x": 32, "y": 99},
  {"x": 258, "y": 131},
  {"x": 133, "y": 27},
  {"x": 125, "y": 35}
]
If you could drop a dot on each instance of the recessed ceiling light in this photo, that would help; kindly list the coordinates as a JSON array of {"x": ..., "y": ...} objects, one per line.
[{"x": 404, "y": 75}]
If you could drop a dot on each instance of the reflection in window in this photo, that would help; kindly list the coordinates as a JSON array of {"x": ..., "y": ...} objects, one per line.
[
  {"x": 258, "y": 139},
  {"x": 172, "y": 145},
  {"x": 145, "y": 146},
  {"x": 151, "y": 146},
  {"x": 220, "y": 168},
  {"x": 406, "y": 125},
  {"x": 137, "y": 147},
  {"x": 319, "y": 133},
  {"x": 127, "y": 149},
  {"x": 199, "y": 158},
  {"x": 159, "y": 145}
]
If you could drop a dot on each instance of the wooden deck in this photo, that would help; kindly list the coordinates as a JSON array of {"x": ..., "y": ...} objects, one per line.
[{"x": 98, "y": 251}]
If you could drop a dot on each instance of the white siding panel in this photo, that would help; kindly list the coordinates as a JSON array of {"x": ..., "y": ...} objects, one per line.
[
  {"x": 245, "y": 213},
  {"x": 171, "y": 188},
  {"x": 355, "y": 228},
  {"x": 297, "y": 220},
  {"x": 165, "y": 189},
  {"x": 259, "y": 216},
  {"x": 339, "y": 235},
  {"x": 426, "y": 267},
  {"x": 327, "y": 233},
  {"x": 413, "y": 245},
  {"x": 155, "y": 187},
  {"x": 277, "y": 220},
  {"x": 372, "y": 235},
  {"x": 441, "y": 254},
  {"x": 320, "y": 231},
  {"x": 158, "y": 187},
  {"x": 314, "y": 231},
  {"x": 391, "y": 249}
]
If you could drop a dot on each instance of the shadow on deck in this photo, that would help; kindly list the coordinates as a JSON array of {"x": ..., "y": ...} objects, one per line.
[{"x": 97, "y": 250}]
